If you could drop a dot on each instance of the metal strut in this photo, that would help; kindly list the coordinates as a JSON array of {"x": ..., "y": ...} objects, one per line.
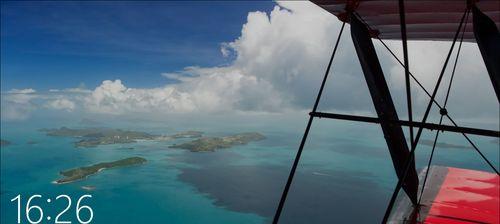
[
  {"x": 306, "y": 133},
  {"x": 430, "y": 126},
  {"x": 488, "y": 41},
  {"x": 402, "y": 24},
  {"x": 443, "y": 111},
  {"x": 448, "y": 115},
  {"x": 410, "y": 160},
  {"x": 384, "y": 106}
]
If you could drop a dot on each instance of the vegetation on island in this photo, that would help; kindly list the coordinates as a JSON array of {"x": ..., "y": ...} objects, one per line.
[
  {"x": 188, "y": 134},
  {"x": 80, "y": 173},
  {"x": 444, "y": 145},
  {"x": 210, "y": 144},
  {"x": 92, "y": 137}
]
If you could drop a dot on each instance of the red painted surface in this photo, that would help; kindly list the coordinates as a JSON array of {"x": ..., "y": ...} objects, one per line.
[
  {"x": 466, "y": 196},
  {"x": 425, "y": 19}
]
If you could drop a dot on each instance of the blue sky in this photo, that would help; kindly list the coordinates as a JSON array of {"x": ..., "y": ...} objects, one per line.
[{"x": 47, "y": 45}]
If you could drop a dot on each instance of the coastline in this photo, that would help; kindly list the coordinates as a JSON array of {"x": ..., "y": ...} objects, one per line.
[
  {"x": 94, "y": 173},
  {"x": 72, "y": 181}
]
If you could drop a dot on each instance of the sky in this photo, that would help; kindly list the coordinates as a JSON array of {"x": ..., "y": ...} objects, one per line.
[
  {"x": 59, "y": 44},
  {"x": 156, "y": 58}
]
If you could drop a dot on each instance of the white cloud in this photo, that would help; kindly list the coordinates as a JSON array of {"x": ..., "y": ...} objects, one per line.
[
  {"x": 61, "y": 104},
  {"x": 22, "y": 91},
  {"x": 279, "y": 61},
  {"x": 18, "y": 104},
  {"x": 471, "y": 95},
  {"x": 113, "y": 97},
  {"x": 225, "y": 49},
  {"x": 77, "y": 90},
  {"x": 220, "y": 91},
  {"x": 277, "y": 68}
]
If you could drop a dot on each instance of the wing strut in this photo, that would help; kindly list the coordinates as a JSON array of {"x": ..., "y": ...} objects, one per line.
[
  {"x": 488, "y": 41},
  {"x": 384, "y": 106},
  {"x": 410, "y": 160}
]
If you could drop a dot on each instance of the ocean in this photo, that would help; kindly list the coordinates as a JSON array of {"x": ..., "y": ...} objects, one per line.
[{"x": 345, "y": 174}]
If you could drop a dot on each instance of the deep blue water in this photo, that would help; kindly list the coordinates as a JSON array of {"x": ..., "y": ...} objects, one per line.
[{"x": 345, "y": 174}]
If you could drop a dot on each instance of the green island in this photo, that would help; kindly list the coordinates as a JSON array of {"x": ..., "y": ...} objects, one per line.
[
  {"x": 4, "y": 142},
  {"x": 186, "y": 134},
  {"x": 210, "y": 144},
  {"x": 443, "y": 144},
  {"x": 83, "y": 172},
  {"x": 92, "y": 137}
]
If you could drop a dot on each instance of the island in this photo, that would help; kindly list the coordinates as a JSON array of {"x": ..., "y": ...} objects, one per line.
[
  {"x": 444, "y": 144},
  {"x": 188, "y": 134},
  {"x": 92, "y": 137},
  {"x": 83, "y": 172},
  {"x": 210, "y": 144},
  {"x": 4, "y": 142},
  {"x": 185, "y": 134}
]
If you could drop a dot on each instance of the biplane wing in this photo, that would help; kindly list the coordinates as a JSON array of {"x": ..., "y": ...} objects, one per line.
[
  {"x": 452, "y": 195},
  {"x": 425, "y": 19}
]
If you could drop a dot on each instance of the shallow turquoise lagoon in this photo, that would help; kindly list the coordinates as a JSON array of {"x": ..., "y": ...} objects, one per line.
[{"x": 345, "y": 171}]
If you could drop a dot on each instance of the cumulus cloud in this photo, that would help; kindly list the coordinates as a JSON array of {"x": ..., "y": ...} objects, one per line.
[
  {"x": 221, "y": 90},
  {"x": 279, "y": 61},
  {"x": 277, "y": 67},
  {"x": 20, "y": 104},
  {"x": 61, "y": 104},
  {"x": 471, "y": 94},
  {"x": 17, "y": 104},
  {"x": 113, "y": 97}
]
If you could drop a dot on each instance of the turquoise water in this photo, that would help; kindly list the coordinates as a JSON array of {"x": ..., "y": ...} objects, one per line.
[{"x": 345, "y": 171}]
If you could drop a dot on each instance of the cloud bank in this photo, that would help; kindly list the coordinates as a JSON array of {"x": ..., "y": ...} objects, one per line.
[{"x": 279, "y": 60}]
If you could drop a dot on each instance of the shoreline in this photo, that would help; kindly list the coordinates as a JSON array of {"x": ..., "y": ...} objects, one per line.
[
  {"x": 72, "y": 181},
  {"x": 91, "y": 174}
]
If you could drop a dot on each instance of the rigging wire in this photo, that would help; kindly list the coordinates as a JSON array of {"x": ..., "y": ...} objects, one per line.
[
  {"x": 432, "y": 100},
  {"x": 443, "y": 111},
  {"x": 440, "y": 107},
  {"x": 424, "y": 119},
  {"x": 413, "y": 143},
  {"x": 306, "y": 133}
]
